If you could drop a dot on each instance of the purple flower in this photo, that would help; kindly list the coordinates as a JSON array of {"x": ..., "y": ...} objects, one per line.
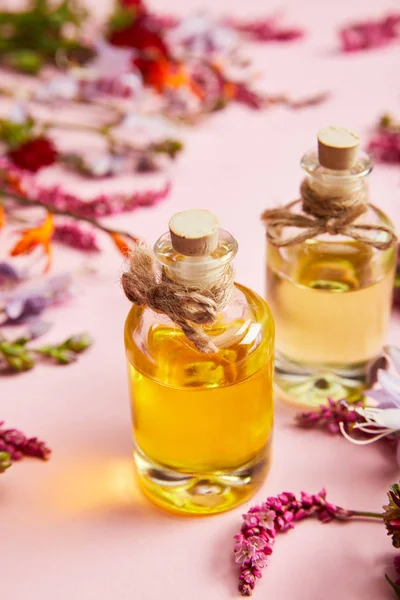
[
  {"x": 23, "y": 305},
  {"x": 388, "y": 394},
  {"x": 8, "y": 275}
]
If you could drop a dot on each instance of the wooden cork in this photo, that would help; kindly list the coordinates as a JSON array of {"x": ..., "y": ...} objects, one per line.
[
  {"x": 194, "y": 232},
  {"x": 337, "y": 148}
]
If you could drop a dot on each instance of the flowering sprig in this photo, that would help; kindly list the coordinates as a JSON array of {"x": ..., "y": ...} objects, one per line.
[
  {"x": 21, "y": 190},
  {"x": 186, "y": 62},
  {"x": 29, "y": 146},
  {"x": 369, "y": 34},
  {"x": 261, "y": 524},
  {"x": 15, "y": 445},
  {"x": 16, "y": 356},
  {"x": 330, "y": 416},
  {"x": 360, "y": 423}
]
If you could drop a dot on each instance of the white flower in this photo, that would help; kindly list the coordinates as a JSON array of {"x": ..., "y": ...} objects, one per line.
[
  {"x": 62, "y": 87},
  {"x": 18, "y": 113}
]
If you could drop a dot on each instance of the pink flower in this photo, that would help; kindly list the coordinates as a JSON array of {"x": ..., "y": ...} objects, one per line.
[
  {"x": 385, "y": 146},
  {"x": 266, "y": 30},
  {"x": 254, "y": 544},
  {"x": 56, "y": 197},
  {"x": 18, "y": 445},
  {"x": 71, "y": 234},
  {"x": 370, "y": 34}
]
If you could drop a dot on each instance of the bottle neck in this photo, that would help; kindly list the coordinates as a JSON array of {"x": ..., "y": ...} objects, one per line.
[
  {"x": 329, "y": 183},
  {"x": 196, "y": 271}
]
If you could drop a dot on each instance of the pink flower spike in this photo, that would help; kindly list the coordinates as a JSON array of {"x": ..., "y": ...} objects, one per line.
[
  {"x": 266, "y": 519},
  {"x": 251, "y": 550},
  {"x": 251, "y": 519},
  {"x": 370, "y": 34}
]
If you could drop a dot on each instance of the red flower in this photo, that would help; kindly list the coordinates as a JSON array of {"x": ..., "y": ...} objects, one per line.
[
  {"x": 141, "y": 36},
  {"x": 135, "y": 4},
  {"x": 34, "y": 154},
  {"x": 154, "y": 72}
]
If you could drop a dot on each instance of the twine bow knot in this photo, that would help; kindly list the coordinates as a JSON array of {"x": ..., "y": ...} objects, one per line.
[
  {"x": 188, "y": 307},
  {"x": 326, "y": 214}
]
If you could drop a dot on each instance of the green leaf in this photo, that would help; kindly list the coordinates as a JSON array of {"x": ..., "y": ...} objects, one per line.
[
  {"x": 394, "y": 585},
  {"x": 20, "y": 363},
  {"x": 26, "y": 61},
  {"x": 5, "y": 461},
  {"x": 77, "y": 343},
  {"x": 121, "y": 19},
  {"x": 170, "y": 147},
  {"x": 15, "y": 134}
]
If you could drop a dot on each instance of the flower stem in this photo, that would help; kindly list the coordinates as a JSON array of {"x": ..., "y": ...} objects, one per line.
[
  {"x": 65, "y": 213},
  {"x": 366, "y": 514}
]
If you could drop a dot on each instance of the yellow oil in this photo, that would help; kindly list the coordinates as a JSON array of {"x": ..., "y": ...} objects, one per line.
[
  {"x": 331, "y": 301},
  {"x": 203, "y": 415}
]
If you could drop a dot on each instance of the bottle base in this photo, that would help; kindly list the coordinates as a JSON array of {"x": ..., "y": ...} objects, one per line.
[
  {"x": 310, "y": 386},
  {"x": 200, "y": 494}
]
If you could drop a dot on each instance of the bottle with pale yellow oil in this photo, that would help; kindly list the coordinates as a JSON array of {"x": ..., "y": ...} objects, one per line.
[
  {"x": 201, "y": 394},
  {"x": 330, "y": 272}
]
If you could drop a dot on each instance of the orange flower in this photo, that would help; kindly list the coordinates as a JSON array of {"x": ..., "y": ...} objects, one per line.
[
  {"x": 229, "y": 90},
  {"x": 121, "y": 244},
  {"x": 2, "y": 217},
  {"x": 38, "y": 236},
  {"x": 15, "y": 183},
  {"x": 162, "y": 73}
]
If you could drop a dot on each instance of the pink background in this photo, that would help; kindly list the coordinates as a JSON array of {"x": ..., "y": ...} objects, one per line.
[{"x": 78, "y": 526}]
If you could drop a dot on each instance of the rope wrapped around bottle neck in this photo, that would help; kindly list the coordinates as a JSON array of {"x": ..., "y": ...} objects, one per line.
[
  {"x": 325, "y": 214},
  {"x": 189, "y": 307}
]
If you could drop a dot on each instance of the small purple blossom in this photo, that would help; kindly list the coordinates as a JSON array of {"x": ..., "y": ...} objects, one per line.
[
  {"x": 21, "y": 306},
  {"x": 8, "y": 275}
]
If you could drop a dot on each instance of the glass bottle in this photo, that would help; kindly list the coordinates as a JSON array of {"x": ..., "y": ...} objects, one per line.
[
  {"x": 202, "y": 423},
  {"x": 331, "y": 295}
]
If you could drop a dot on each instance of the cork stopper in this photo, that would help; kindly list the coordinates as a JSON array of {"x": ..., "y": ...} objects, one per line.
[
  {"x": 337, "y": 148},
  {"x": 194, "y": 232}
]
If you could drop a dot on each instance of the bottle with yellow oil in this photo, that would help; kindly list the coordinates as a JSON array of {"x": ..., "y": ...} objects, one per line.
[
  {"x": 200, "y": 364},
  {"x": 330, "y": 271}
]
